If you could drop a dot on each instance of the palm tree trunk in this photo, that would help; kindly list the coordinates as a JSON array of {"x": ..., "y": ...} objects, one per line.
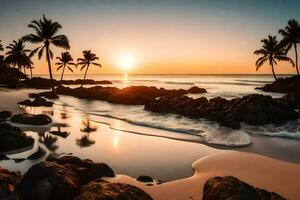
[
  {"x": 296, "y": 54},
  {"x": 19, "y": 75},
  {"x": 87, "y": 67},
  {"x": 30, "y": 73},
  {"x": 62, "y": 74},
  {"x": 50, "y": 71},
  {"x": 273, "y": 71}
]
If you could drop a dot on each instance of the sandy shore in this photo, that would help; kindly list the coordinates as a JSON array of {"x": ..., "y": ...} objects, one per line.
[{"x": 260, "y": 171}]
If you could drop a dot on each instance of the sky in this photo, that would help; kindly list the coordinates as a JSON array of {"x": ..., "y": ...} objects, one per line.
[{"x": 157, "y": 36}]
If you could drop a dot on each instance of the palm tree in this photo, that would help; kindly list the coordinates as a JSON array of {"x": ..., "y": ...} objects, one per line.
[
  {"x": 65, "y": 61},
  {"x": 88, "y": 58},
  {"x": 46, "y": 33},
  {"x": 271, "y": 51},
  {"x": 291, "y": 37},
  {"x": 17, "y": 55}
]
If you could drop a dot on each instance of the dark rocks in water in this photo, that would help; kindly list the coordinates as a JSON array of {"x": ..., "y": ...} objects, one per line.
[
  {"x": 44, "y": 83},
  {"x": 102, "y": 190},
  {"x": 18, "y": 160},
  {"x": 60, "y": 178},
  {"x": 229, "y": 187},
  {"x": 3, "y": 157},
  {"x": 8, "y": 182},
  {"x": 144, "y": 178},
  {"x": 12, "y": 138},
  {"x": 5, "y": 115},
  {"x": 62, "y": 134},
  {"x": 196, "y": 90},
  {"x": 253, "y": 109},
  {"x": 29, "y": 119},
  {"x": 47, "y": 94},
  {"x": 292, "y": 100},
  {"x": 38, "y": 154},
  {"x": 37, "y": 102},
  {"x": 283, "y": 85}
]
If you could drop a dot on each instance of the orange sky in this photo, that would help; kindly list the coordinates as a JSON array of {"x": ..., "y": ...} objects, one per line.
[{"x": 198, "y": 37}]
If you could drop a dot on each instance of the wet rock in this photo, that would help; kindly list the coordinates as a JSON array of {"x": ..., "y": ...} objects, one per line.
[
  {"x": 8, "y": 182},
  {"x": 229, "y": 187},
  {"x": 63, "y": 134},
  {"x": 284, "y": 85},
  {"x": 12, "y": 138},
  {"x": 101, "y": 190},
  {"x": 3, "y": 157},
  {"x": 196, "y": 90},
  {"x": 292, "y": 100},
  {"x": 47, "y": 181},
  {"x": 5, "y": 115},
  {"x": 38, "y": 154},
  {"x": 31, "y": 119},
  {"x": 253, "y": 109},
  {"x": 37, "y": 102},
  {"x": 19, "y": 160},
  {"x": 144, "y": 179}
]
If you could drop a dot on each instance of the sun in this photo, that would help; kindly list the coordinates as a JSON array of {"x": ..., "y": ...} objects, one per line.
[{"x": 126, "y": 62}]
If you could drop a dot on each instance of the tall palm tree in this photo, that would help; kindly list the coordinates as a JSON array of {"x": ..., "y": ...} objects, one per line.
[
  {"x": 88, "y": 58},
  {"x": 271, "y": 51},
  {"x": 291, "y": 37},
  {"x": 17, "y": 55},
  {"x": 65, "y": 61},
  {"x": 46, "y": 34}
]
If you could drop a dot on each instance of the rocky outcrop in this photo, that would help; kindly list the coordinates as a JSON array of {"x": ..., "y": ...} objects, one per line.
[
  {"x": 37, "y": 102},
  {"x": 12, "y": 138},
  {"x": 229, "y": 187},
  {"x": 37, "y": 120},
  {"x": 283, "y": 85},
  {"x": 44, "y": 83},
  {"x": 102, "y": 190},
  {"x": 196, "y": 90},
  {"x": 144, "y": 178},
  {"x": 253, "y": 109},
  {"x": 8, "y": 182}
]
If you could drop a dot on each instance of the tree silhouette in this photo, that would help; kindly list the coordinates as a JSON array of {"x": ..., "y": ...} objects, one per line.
[
  {"x": 65, "y": 61},
  {"x": 291, "y": 37},
  {"x": 271, "y": 51},
  {"x": 88, "y": 58},
  {"x": 17, "y": 56},
  {"x": 46, "y": 34},
  {"x": 1, "y": 46}
]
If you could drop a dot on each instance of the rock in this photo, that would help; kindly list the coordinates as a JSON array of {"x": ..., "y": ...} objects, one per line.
[
  {"x": 253, "y": 109},
  {"x": 86, "y": 169},
  {"x": 37, "y": 102},
  {"x": 31, "y": 119},
  {"x": 5, "y": 115},
  {"x": 195, "y": 90},
  {"x": 8, "y": 182},
  {"x": 3, "y": 157},
  {"x": 62, "y": 134},
  {"x": 101, "y": 190},
  {"x": 229, "y": 187},
  {"x": 144, "y": 179},
  {"x": 18, "y": 160},
  {"x": 292, "y": 100},
  {"x": 283, "y": 85},
  {"x": 12, "y": 138},
  {"x": 38, "y": 154}
]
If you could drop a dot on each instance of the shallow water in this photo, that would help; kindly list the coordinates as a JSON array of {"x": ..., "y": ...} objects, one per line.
[{"x": 134, "y": 141}]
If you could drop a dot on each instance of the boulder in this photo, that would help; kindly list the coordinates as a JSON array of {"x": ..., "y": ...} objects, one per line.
[
  {"x": 12, "y": 138},
  {"x": 29, "y": 119},
  {"x": 229, "y": 187},
  {"x": 195, "y": 90},
  {"x": 5, "y": 115},
  {"x": 8, "y": 182},
  {"x": 102, "y": 190},
  {"x": 37, "y": 102},
  {"x": 144, "y": 178}
]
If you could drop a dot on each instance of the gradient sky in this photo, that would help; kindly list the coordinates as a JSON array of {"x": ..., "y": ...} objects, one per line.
[{"x": 164, "y": 37}]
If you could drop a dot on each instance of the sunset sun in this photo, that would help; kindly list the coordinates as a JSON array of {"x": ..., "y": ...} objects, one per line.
[{"x": 126, "y": 62}]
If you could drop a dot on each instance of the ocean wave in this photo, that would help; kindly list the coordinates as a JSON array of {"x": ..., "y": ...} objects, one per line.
[
  {"x": 228, "y": 83},
  {"x": 181, "y": 83}
]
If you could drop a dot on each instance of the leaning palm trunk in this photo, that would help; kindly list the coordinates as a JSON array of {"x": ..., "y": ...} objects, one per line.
[
  {"x": 273, "y": 71},
  {"x": 296, "y": 55},
  {"x": 50, "y": 71},
  {"x": 30, "y": 73},
  {"x": 87, "y": 67},
  {"x": 62, "y": 74}
]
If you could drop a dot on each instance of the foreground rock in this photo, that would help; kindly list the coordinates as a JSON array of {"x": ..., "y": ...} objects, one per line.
[
  {"x": 101, "y": 190},
  {"x": 133, "y": 95},
  {"x": 283, "y": 85},
  {"x": 12, "y": 138},
  {"x": 144, "y": 178},
  {"x": 253, "y": 109},
  {"x": 8, "y": 182},
  {"x": 221, "y": 188},
  {"x": 44, "y": 83},
  {"x": 5, "y": 115},
  {"x": 37, "y": 102},
  {"x": 37, "y": 120}
]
